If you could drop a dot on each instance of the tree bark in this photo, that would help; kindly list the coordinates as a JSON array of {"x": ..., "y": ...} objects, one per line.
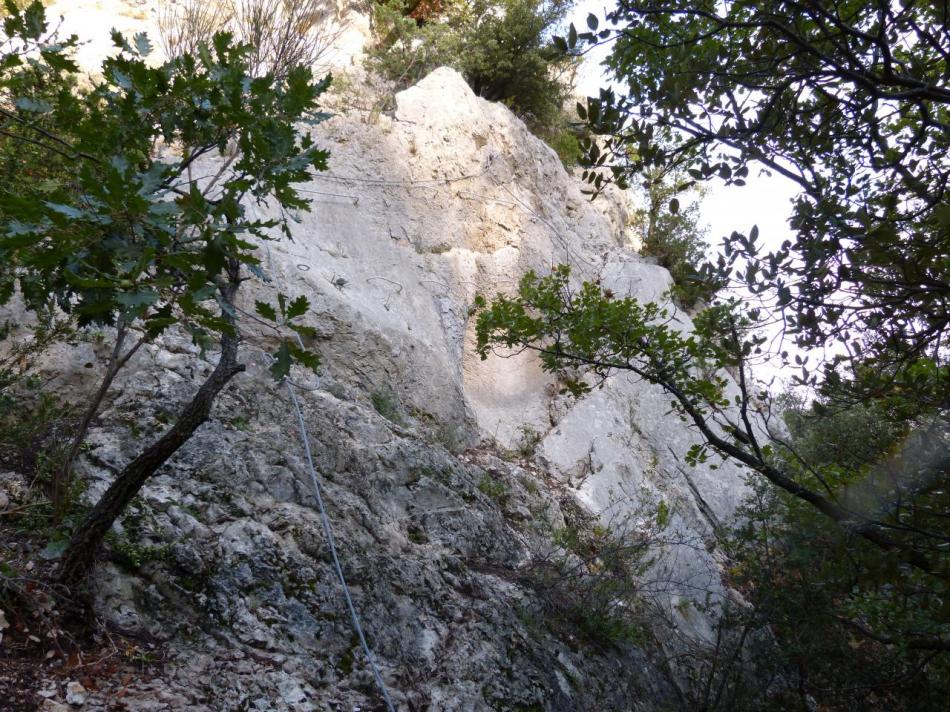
[{"x": 81, "y": 552}]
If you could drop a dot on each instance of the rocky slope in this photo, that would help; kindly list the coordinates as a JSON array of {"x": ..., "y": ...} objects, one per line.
[{"x": 450, "y": 481}]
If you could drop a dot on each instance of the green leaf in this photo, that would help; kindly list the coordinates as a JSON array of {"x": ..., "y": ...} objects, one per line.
[
  {"x": 305, "y": 357},
  {"x": 203, "y": 292},
  {"x": 592, "y": 22},
  {"x": 34, "y": 20},
  {"x": 266, "y": 311},
  {"x": 57, "y": 60},
  {"x": 9, "y": 61},
  {"x": 281, "y": 366},
  {"x": 306, "y": 331},
  {"x": 298, "y": 307},
  {"x": 142, "y": 44},
  {"x": 67, "y": 210},
  {"x": 144, "y": 297},
  {"x": 155, "y": 326},
  {"x": 118, "y": 40}
]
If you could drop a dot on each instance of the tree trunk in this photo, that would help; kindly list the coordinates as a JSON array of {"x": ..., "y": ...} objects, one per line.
[{"x": 83, "y": 546}]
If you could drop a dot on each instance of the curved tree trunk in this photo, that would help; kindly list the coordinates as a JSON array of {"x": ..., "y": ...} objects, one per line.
[{"x": 81, "y": 552}]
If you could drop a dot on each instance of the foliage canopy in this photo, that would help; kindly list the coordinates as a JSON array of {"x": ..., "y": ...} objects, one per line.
[
  {"x": 848, "y": 100},
  {"x": 117, "y": 216}
]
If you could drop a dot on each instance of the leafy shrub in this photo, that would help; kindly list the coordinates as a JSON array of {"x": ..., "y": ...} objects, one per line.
[
  {"x": 670, "y": 232},
  {"x": 35, "y": 431},
  {"x": 29, "y": 420},
  {"x": 386, "y": 404},
  {"x": 132, "y": 547},
  {"x": 565, "y": 139},
  {"x": 494, "y": 489},
  {"x": 35, "y": 425},
  {"x": 594, "y": 579},
  {"x": 529, "y": 441},
  {"x": 840, "y": 624},
  {"x": 501, "y": 47}
]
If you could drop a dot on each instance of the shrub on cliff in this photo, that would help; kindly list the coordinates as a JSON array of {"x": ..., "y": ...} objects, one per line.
[
  {"x": 834, "y": 622},
  {"x": 280, "y": 34},
  {"x": 670, "y": 231},
  {"x": 503, "y": 48}
]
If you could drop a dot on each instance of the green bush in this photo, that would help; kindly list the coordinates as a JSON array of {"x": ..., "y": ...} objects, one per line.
[
  {"x": 35, "y": 427},
  {"x": 670, "y": 232},
  {"x": 592, "y": 580},
  {"x": 494, "y": 489},
  {"x": 501, "y": 47},
  {"x": 28, "y": 417},
  {"x": 838, "y": 623},
  {"x": 386, "y": 404},
  {"x": 566, "y": 142}
]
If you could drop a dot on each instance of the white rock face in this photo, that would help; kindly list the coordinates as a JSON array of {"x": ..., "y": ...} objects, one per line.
[
  {"x": 421, "y": 211},
  {"x": 449, "y": 197},
  {"x": 453, "y": 197}
]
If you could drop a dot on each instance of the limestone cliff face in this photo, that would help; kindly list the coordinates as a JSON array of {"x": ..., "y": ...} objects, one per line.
[
  {"x": 451, "y": 197},
  {"x": 439, "y": 529}
]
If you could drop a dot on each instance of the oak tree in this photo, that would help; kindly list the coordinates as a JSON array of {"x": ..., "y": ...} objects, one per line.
[{"x": 132, "y": 212}]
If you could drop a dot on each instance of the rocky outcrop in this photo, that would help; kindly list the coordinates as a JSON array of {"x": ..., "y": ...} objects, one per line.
[
  {"x": 447, "y": 477},
  {"x": 237, "y": 585}
]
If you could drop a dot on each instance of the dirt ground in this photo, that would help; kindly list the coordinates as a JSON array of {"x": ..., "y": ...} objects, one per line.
[{"x": 39, "y": 654}]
